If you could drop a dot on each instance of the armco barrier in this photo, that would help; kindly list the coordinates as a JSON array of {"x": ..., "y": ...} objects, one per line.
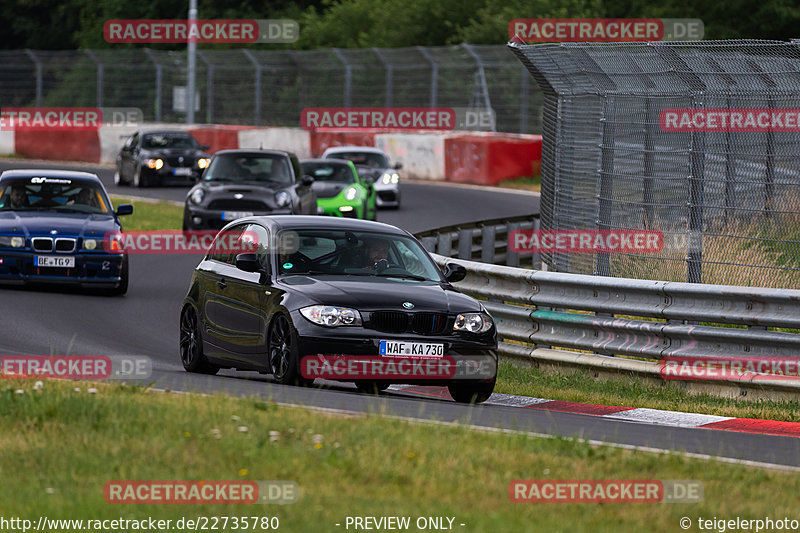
[
  {"x": 60, "y": 145},
  {"x": 422, "y": 154},
  {"x": 218, "y": 137},
  {"x": 610, "y": 317},
  {"x": 293, "y": 140},
  {"x": 322, "y": 140},
  {"x": 489, "y": 159},
  {"x": 479, "y": 158}
]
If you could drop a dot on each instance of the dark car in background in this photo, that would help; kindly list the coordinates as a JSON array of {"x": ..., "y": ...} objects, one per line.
[
  {"x": 372, "y": 164},
  {"x": 331, "y": 287},
  {"x": 243, "y": 183},
  {"x": 156, "y": 157},
  {"x": 58, "y": 226},
  {"x": 341, "y": 191}
]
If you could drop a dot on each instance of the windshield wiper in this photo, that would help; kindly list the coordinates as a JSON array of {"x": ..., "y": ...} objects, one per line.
[{"x": 218, "y": 179}]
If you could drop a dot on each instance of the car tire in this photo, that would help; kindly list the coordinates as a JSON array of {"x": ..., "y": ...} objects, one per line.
[
  {"x": 371, "y": 387},
  {"x": 191, "y": 344},
  {"x": 282, "y": 353},
  {"x": 122, "y": 287},
  {"x": 471, "y": 391},
  {"x": 137, "y": 178},
  {"x": 118, "y": 181}
]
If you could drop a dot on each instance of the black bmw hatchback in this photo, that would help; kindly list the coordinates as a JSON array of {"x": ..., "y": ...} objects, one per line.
[{"x": 315, "y": 292}]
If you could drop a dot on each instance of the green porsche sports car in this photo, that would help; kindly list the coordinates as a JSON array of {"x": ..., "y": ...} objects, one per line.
[{"x": 340, "y": 190}]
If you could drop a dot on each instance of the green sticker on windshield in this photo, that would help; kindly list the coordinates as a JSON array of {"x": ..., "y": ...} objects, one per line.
[{"x": 287, "y": 266}]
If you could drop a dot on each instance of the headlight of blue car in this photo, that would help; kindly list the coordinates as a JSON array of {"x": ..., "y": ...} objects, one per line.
[{"x": 12, "y": 242}]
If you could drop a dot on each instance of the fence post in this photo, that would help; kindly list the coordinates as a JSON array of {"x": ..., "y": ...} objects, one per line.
[
  {"x": 434, "y": 74},
  {"x": 39, "y": 75},
  {"x": 523, "y": 104},
  {"x": 602, "y": 267},
  {"x": 209, "y": 87},
  {"x": 348, "y": 76},
  {"x": 257, "y": 67},
  {"x": 159, "y": 75},
  {"x": 99, "y": 89},
  {"x": 389, "y": 75}
]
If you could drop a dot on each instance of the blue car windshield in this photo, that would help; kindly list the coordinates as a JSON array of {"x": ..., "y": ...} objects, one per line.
[{"x": 53, "y": 194}]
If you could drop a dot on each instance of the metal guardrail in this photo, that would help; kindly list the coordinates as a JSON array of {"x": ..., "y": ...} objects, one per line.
[
  {"x": 485, "y": 241},
  {"x": 608, "y": 316}
]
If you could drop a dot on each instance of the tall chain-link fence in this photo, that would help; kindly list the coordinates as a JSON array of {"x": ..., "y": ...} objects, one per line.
[
  {"x": 271, "y": 88},
  {"x": 698, "y": 140}
]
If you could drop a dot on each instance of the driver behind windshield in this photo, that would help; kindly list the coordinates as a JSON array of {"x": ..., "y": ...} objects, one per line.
[
  {"x": 18, "y": 198},
  {"x": 376, "y": 250}
]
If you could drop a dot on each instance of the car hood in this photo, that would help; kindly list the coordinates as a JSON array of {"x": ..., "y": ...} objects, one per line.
[
  {"x": 173, "y": 152},
  {"x": 328, "y": 189},
  {"x": 247, "y": 188},
  {"x": 66, "y": 224},
  {"x": 380, "y": 293}
]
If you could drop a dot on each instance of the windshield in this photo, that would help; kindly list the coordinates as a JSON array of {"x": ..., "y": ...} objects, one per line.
[
  {"x": 321, "y": 251},
  {"x": 255, "y": 167},
  {"x": 157, "y": 141},
  {"x": 53, "y": 194},
  {"x": 336, "y": 172},
  {"x": 366, "y": 159}
]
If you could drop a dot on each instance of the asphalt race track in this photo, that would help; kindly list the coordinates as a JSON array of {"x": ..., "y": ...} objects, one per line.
[{"x": 145, "y": 322}]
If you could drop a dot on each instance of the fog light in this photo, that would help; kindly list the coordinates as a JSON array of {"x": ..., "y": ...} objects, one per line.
[
  {"x": 197, "y": 221},
  {"x": 346, "y": 208}
]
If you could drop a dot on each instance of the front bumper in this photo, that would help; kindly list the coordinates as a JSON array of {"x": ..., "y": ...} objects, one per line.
[
  {"x": 167, "y": 174},
  {"x": 357, "y": 341},
  {"x": 91, "y": 270},
  {"x": 387, "y": 195},
  {"x": 197, "y": 217},
  {"x": 337, "y": 208}
]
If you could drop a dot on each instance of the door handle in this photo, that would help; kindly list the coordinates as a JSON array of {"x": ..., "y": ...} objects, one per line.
[{"x": 221, "y": 284}]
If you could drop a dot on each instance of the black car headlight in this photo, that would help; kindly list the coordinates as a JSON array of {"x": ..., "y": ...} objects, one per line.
[
  {"x": 12, "y": 242},
  {"x": 197, "y": 196},
  {"x": 329, "y": 315},
  {"x": 282, "y": 199},
  {"x": 203, "y": 162},
  {"x": 155, "y": 164},
  {"x": 473, "y": 322}
]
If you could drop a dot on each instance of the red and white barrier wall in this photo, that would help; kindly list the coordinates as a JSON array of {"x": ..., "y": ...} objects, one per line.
[{"x": 467, "y": 157}]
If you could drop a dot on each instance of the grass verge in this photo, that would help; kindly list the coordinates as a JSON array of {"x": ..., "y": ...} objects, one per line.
[
  {"x": 579, "y": 386},
  {"x": 58, "y": 447},
  {"x": 528, "y": 183},
  {"x": 150, "y": 215}
]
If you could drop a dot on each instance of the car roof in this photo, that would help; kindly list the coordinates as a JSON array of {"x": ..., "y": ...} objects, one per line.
[
  {"x": 282, "y": 222},
  {"x": 325, "y": 161},
  {"x": 163, "y": 132},
  {"x": 48, "y": 173},
  {"x": 253, "y": 152},
  {"x": 370, "y": 149}
]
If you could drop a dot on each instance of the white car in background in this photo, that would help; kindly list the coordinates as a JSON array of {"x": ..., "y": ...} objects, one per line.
[{"x": 373, "y": 165}]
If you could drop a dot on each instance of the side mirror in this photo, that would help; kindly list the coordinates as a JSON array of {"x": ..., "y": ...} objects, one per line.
[
  {"x": 307, "y": 180},
  {"x": 124, "y": 209},
  {"x": 248, "y": 263},
  {"x": 454, "y": 272},
  {"x": 204, "y": 147},
  {"x": 398, "y": 166}
]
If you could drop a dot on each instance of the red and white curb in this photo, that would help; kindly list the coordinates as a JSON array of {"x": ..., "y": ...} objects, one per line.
[{"x": 632, "y": 414}]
